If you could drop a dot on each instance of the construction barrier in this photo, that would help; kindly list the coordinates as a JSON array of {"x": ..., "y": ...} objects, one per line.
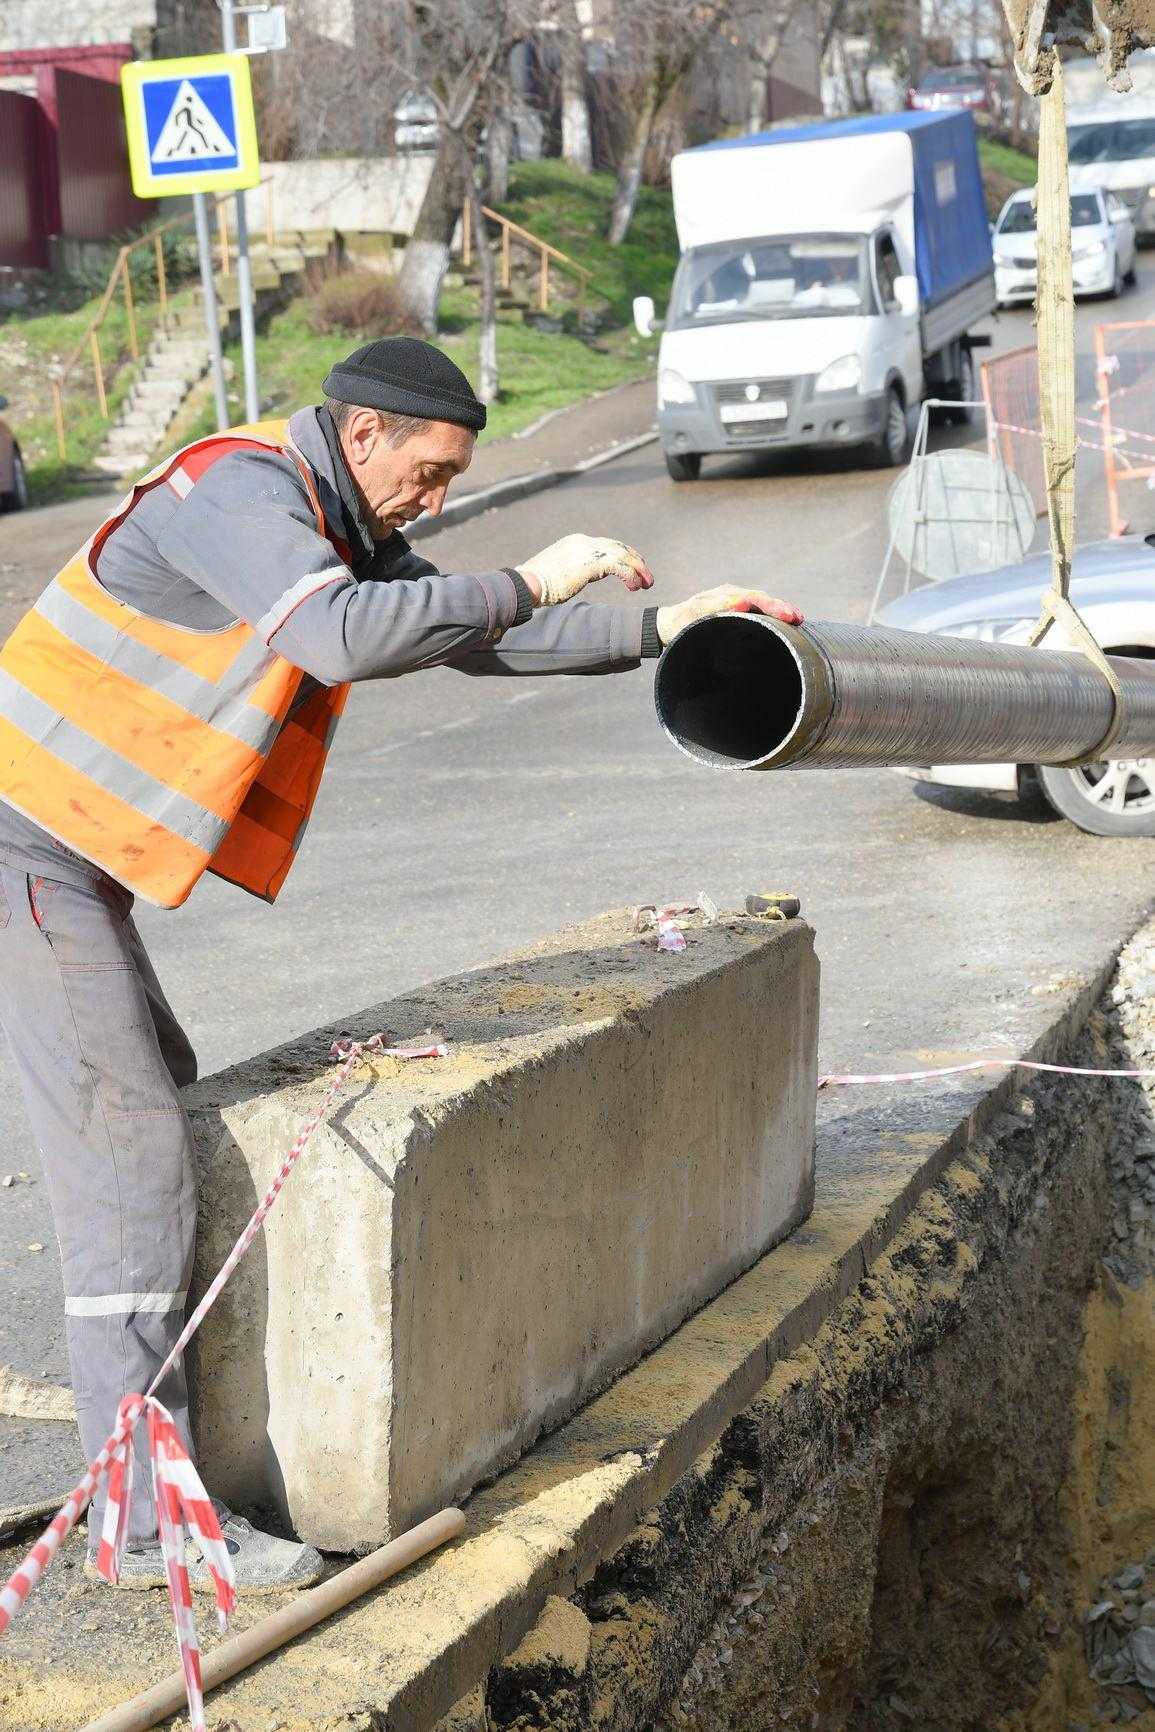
[
  {"x": 1125, "y": 375},
  {"x": 1010, "y": 387},
  {"x": 1115, "y": 419}
]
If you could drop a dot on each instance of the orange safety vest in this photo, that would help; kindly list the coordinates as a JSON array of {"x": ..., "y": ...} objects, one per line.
[{"x": 155, "y": 750}]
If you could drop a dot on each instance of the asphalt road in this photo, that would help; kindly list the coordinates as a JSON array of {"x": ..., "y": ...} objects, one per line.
[{"x": 462, "y": 817}]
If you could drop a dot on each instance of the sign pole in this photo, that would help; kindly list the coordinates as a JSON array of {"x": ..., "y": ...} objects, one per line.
[
  {"x": 244, "y": 266},
  {"x": 212, "y": 318}
]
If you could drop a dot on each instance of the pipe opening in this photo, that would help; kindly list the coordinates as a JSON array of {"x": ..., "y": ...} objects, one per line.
[{"x": 729, "y": 691}]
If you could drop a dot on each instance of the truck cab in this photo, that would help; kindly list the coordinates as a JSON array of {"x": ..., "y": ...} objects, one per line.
[{"x": 800, "y": 314}]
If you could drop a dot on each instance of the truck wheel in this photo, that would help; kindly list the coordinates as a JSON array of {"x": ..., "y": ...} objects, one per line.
[
  {"x": 892, "y": 446},
  {"x": 1115, "y": 798},
  {"x": 683, "y": 466},
  {"x": 965, "y": 386}
]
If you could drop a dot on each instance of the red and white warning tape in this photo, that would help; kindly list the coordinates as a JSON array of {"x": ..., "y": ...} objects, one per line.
[
  {"x": 906, "y": 1076},
  {"x": 182, "y": 1504}
]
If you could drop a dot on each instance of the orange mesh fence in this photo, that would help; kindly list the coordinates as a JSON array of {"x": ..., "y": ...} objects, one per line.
[
  {"x": 1010, "y": 386},
  {"x": 1125, "y": 377},
  {"x": 1115, "y": 422}
]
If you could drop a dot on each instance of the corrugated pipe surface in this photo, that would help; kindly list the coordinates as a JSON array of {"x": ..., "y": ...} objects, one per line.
[{"x": 741, "y": 692}]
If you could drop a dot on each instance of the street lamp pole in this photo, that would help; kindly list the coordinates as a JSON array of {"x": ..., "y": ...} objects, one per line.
[{"x": 244, "y": 266}]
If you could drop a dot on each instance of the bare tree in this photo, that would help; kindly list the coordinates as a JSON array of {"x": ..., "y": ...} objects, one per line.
[
  {"x": 499, "y": 132},
  {"x": 576, "y": 141},
  {"x": 453, "y": 50},
  {"x": 759, "y": 32},
  {"x": 487, "y": 373},
  {"x": 656, "y": 44}
]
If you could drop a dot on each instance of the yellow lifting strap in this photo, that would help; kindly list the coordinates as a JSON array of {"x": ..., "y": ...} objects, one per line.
[{"x": 1056, "y": 328}]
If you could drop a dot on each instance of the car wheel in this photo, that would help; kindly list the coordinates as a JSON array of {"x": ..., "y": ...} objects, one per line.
[
  {"x": 892, "y": 446},
  {"x": 1117, "y": 285},
  {"x": 1108, "y": 798},
  {"x": 17, "y": 498},
  {"x": 1130, "y": 276},
  {"x": 683, "y": 465}
]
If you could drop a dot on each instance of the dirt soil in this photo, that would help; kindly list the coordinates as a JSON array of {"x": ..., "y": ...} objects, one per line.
[{"x": 905, "y": 1531}]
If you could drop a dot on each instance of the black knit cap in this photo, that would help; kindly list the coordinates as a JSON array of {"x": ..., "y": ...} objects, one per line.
[{"x": 404, "y": 376}]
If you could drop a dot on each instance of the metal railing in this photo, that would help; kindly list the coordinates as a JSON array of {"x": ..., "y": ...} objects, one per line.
[
  {"x": 511, "y": 231},
  {"x": 121, "y": 278}
]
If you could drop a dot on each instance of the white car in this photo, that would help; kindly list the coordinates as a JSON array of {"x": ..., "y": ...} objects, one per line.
[
  {"x": 1113, "y": 586},
  {"x": 1102, "y": 246}
]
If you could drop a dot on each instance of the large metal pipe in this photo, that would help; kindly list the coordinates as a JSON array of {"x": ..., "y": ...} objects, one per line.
[{"x": 743, "y": 692}]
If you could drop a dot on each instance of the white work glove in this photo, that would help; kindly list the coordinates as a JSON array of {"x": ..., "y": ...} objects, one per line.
[
  {"x": 726, "y": 598},
  {"x": 562, "y": 570}
]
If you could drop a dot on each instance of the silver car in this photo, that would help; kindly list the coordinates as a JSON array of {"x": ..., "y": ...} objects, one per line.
[{"x": 1113, "y": 586}]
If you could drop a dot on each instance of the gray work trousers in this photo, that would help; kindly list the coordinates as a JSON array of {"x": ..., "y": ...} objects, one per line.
[{"x": 101, "y": 1057}]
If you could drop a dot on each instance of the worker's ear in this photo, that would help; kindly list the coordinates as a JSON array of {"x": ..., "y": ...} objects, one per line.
[{"x": 361, "y": 432}]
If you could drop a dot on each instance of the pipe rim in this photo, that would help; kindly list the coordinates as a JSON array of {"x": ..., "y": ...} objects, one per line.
[{"x": 815, "y": 686}]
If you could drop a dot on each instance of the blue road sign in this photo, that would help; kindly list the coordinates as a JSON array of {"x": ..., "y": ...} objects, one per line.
[{"x": 190, "y": 125}]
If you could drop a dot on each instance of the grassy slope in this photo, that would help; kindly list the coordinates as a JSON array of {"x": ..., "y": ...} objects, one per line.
[
  {"x": 1004, "y": 172},
  {"x": 33, "y": 343},
  {"x": 539, "y": 370}
]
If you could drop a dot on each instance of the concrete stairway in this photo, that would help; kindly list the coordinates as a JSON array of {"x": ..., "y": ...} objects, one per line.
[{"x": 178, "y": 356}]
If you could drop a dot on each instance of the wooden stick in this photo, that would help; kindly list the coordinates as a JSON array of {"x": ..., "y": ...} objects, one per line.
[
  {"x": 223, "y": 236},
  {"x": 130, "y": 309},
  {"x": 98, "y": 372},
  {"x": 306, "y": 1609},
  {"x": 58, "y": 417},
  {"x": 161, "y": 278}
]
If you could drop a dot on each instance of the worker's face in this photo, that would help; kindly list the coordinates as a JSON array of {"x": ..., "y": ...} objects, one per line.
[{"x": 397, "y": 483}]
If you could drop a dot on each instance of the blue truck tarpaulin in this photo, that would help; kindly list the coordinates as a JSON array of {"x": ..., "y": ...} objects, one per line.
[{"x": 952, "y": 239}]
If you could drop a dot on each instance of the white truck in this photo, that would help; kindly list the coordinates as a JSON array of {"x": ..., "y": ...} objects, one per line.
[{"x": 829, "y": 279}]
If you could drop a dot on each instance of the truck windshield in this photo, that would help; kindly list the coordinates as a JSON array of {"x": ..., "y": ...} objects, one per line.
[
  {"x": 1111, "y": 140},
  {"x": 787, "y": 277},
  {"x": 1021, "y": 218}
]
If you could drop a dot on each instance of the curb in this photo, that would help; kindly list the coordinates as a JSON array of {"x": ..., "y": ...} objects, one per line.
[{"x": 522, "y": 487}]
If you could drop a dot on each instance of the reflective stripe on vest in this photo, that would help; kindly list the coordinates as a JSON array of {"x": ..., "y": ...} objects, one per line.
[{"x": 154, "y": 750}]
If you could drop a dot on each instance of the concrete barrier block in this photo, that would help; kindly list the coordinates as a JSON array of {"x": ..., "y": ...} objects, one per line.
[{"x": 473, "y": 1246}]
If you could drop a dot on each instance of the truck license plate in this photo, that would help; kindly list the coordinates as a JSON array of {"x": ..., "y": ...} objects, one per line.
[{"x": 775, "y": 410}]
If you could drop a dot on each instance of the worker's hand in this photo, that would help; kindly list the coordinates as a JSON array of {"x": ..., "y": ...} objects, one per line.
[
  {"x": 562, "y": 570},
  {"x": 727, "y": 598}
]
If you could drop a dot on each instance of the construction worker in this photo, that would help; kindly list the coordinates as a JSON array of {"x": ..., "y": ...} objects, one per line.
[{"x": 166, "y": 709}]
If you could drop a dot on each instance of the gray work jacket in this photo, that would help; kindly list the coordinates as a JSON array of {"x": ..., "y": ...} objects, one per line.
[{"x": 243, "y": 544}]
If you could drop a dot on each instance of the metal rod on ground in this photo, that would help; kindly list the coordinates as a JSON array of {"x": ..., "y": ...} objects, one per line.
[
  {"x": 743, "y": 692},
  {"x": 212, "y": 320},
  {"x": 305, "y": 1610},
  {"x": 244, "y": 264}
]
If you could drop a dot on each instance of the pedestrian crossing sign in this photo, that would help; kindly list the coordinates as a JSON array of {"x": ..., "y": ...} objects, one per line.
[{"x": 190, "y": 125}]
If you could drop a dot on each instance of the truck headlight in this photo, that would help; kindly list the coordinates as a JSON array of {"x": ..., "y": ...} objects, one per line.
[
  {"x": 845, "y": 374},
  {"x": 672, "y": 388}
]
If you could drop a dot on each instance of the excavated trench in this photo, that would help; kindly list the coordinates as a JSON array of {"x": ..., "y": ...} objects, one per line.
[{"x": 938, "y": 1516}]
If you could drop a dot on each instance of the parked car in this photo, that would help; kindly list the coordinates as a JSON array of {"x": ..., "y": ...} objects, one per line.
[
  {"x": 1113, "y": 586},
  {"x": 415, "y": 122},
  {"x": 1102, "y": 246},
  {"x": 13, "y": 480},
  {"x": 952, "y": 87}
]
